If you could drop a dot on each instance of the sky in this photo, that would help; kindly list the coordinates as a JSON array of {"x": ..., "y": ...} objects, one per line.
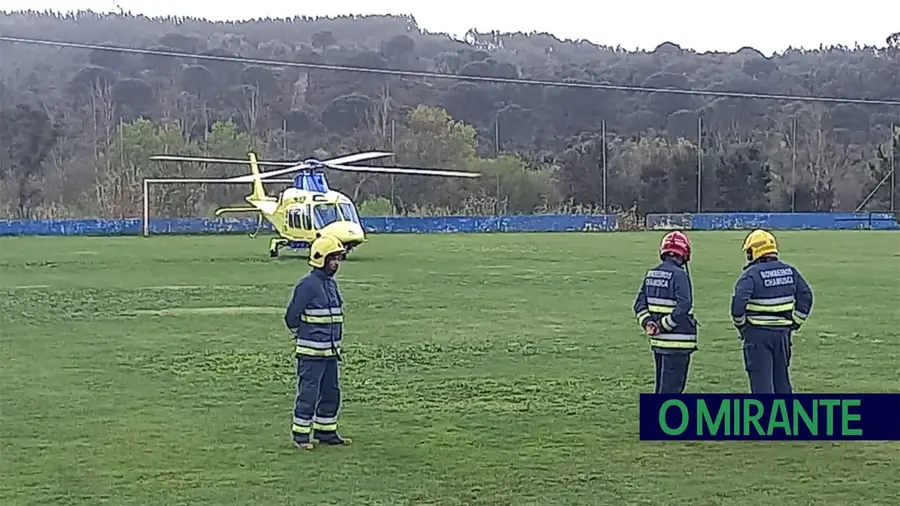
[{"x": 703, "y": 25}]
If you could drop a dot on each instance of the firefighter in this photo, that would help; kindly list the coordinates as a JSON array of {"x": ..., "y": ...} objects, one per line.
[
  {"x": 664, "y": 309},
  {"x": 315, "y": 317},
  {"x": 771, "y": 300}
]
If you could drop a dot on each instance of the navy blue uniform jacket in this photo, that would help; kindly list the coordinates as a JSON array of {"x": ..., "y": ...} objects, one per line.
[
  {"x": 770, "y": 296},
  {"x": 666, "y": 297},
  {"x": 315, "y": 315}
]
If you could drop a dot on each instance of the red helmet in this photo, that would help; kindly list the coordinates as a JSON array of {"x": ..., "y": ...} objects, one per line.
[{"x": 676, "y": 243}]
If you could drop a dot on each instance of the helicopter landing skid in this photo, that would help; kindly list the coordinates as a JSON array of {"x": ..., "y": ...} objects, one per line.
[{"x": 276, "y": 243}]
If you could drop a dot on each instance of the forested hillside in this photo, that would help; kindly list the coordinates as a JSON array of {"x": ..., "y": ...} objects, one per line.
[{"x": 78, "y": 125}]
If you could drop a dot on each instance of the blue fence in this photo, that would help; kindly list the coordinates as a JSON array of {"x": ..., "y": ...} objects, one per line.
[
  {"x": 774, "y": 221},
  {"x": 460, "y": 224}
]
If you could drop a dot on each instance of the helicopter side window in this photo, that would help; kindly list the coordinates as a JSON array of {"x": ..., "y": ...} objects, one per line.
[
  {"x": 349, "y": 213},
  {"x": 325, "y": 214},
  {"x": 298, "y": 217}
]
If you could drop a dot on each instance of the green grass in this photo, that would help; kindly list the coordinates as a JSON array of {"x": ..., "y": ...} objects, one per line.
[{"x": 489, "y": 370}]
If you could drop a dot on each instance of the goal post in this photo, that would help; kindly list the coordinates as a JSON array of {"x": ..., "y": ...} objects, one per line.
[{"x": 145, "y": 218}]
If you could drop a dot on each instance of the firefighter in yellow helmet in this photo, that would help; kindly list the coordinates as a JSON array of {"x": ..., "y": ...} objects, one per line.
[
  {"x": 771, "y": 300},
  {"x": 315, "y": 316}
]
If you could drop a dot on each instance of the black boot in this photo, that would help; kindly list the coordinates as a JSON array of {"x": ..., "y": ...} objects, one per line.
[
  {"x": 303, "y": 442},
  {"x": 331, "y": 438}
]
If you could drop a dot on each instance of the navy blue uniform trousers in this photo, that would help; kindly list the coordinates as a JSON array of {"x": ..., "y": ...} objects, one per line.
[
  {"x": 767, "y": 358},
  {"x": 671, "y": 372},
  {"x": 318, "y": 393}
]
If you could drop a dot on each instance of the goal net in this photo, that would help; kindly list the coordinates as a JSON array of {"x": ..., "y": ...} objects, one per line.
[{"x": 173, "y": 198}]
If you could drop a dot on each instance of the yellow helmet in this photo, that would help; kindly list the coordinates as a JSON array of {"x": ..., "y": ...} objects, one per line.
[
  {"x": 323, "y": 246},
  {"x": 758, "y": 244}
]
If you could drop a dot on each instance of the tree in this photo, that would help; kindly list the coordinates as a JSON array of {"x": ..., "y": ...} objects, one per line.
[
  {"x": 823, "y": 161},
  {"x": 120, "y": 186},
  {"x": 301, "y": 111},
  {"x": 668, "y": 176},
  {"x": 581, "y": 170},
  {"x": 431, "y": 138},
  {"x": 510, "y": 186},
  {"x": 27, "y": 136},
  {"x": 882, "y": 173},
  {"x": 223, "y": 140},
  {"x": 743, "y": 177}
]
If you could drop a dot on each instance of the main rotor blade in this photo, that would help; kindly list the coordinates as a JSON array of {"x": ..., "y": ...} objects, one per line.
[
  {"x": 358, "y": 157},
  {"x": 305, "y": 166},
  {"x": 234, "y": 161},
  {"x": 404, "y": 170},
  {"x": 249, "y": 178}
]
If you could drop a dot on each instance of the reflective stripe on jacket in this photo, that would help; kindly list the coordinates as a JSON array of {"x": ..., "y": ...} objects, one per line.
[
  {"x": 771, "y": 295},
  {"x": 315, "y": 315},
  {"x": 666, "y": 298}
]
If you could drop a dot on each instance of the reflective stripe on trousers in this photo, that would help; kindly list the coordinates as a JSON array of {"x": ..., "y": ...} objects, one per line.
[
  {"x": 317, "y": 348},
  {"x": 301, "y": 426},
  {"x": 674, "y": 341}
]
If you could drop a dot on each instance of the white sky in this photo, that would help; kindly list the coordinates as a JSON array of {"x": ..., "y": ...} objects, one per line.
[{"x": 768, "y": 25}]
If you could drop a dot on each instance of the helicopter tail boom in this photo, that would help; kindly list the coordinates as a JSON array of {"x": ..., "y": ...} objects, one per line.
[
  {"x": 223, "y": 210},
  {"x": 259, "y": 193}
]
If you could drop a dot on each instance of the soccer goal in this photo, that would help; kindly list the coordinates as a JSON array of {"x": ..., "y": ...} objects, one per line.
[{"x": 145, "y": 218}]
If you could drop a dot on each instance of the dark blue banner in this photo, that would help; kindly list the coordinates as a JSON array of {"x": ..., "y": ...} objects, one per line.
[{"x": 799, "y": 417}]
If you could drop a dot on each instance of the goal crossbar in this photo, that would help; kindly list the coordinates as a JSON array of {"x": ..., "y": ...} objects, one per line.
[{"x": 145, "y": 219}]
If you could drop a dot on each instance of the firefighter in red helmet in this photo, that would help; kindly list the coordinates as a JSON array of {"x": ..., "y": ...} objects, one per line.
[{"x": 664, "y": 309}]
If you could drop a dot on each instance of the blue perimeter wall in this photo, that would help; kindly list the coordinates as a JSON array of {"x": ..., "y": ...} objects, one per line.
[{"x": 459, "y": 224}]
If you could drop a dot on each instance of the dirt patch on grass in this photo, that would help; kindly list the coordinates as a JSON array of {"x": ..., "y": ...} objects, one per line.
[
  {"x": 194, "y": 311},
  {"x": 174, "y": 287}
]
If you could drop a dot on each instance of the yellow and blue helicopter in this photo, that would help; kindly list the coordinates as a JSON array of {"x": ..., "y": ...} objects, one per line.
[{"x": 309, "y": 208}]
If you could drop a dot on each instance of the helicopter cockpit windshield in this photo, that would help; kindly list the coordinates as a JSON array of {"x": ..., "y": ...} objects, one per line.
[
  {"x": 326, "y": 214},
  {"x": 349, "y": 212}
]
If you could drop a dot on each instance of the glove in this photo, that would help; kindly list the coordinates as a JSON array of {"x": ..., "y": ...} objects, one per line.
[
  {"x": 795, "y": 327},
  {"x": 740, "y": 331},
  {"x": 651, "y": 328}
]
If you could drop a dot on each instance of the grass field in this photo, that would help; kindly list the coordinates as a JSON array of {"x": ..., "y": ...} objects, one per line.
[{"x": 488, "y": 370}]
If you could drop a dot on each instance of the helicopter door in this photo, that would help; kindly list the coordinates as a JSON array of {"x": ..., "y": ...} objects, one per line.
[{"x": 298, "y": 218}]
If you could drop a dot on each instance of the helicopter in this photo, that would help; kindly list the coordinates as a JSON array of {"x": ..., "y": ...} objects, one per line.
[{"x": 309, "y": 208}]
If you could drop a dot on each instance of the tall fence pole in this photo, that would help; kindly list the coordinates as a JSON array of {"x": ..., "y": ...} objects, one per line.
[
  {"x": 497, "y": 134},
  {"x": 699, "y": 164},
  {"x": 2, "y": 147},
  {"x": 145, "y": 219},
  {"x": 603, "y": 161},
  {"x": 284, "y": 140},
  {"x": 497, "y": 154},
  {"x": 893, "y": 167},
  {"x": 393, "y": 150},
  {"x": 793, "y": 164}
]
